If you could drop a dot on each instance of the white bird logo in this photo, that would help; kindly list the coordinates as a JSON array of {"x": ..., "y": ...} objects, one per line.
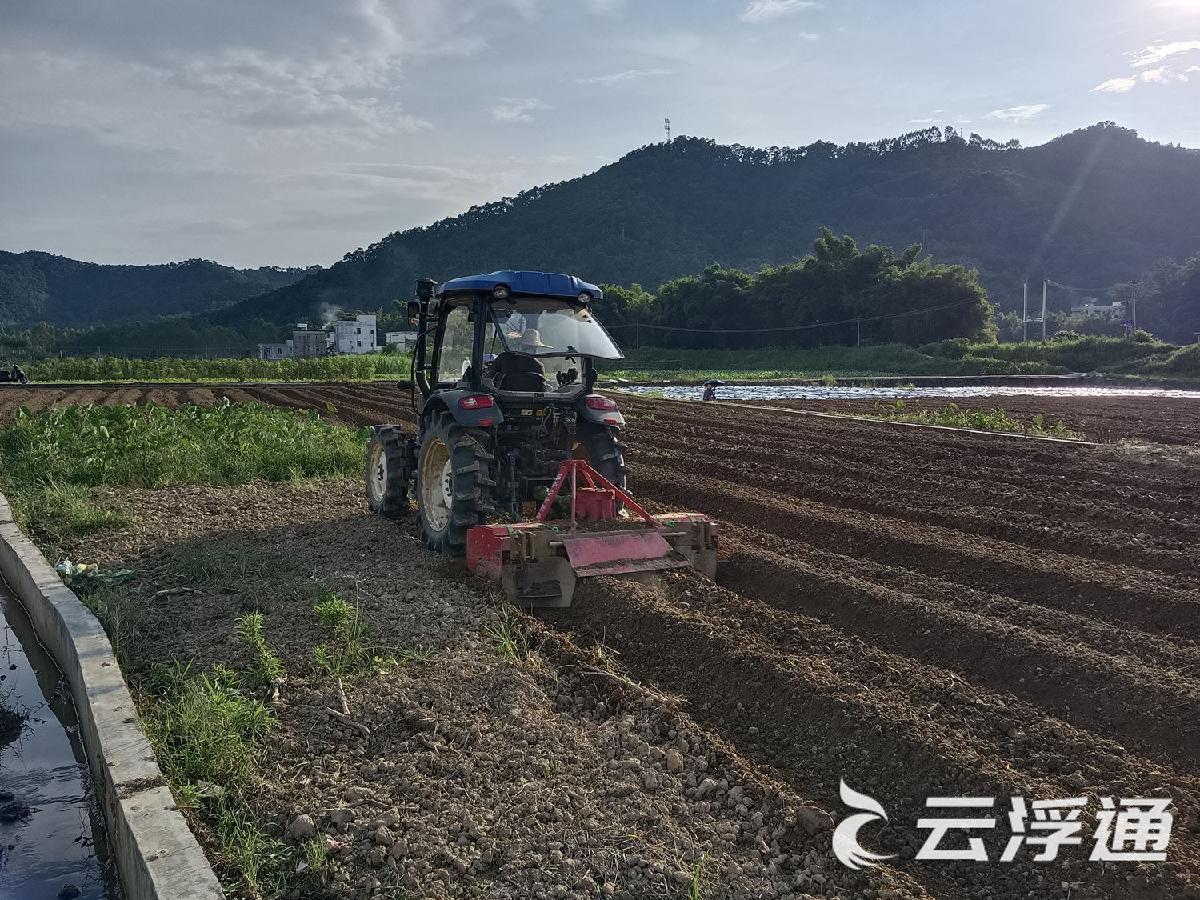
[{"x": 845, "y": 837}]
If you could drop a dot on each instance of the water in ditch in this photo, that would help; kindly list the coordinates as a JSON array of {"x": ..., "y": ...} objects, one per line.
[
  {"x": 51, "y": 831},
  {"x": 742, "y": 392}
]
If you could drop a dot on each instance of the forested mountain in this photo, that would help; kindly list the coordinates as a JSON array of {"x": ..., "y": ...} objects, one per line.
[
  {"x": 41, "y": 287},
  {"x": 1092, "y": 208}
]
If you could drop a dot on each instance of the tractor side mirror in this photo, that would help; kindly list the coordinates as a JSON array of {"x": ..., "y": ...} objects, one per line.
[
  {"x": 414, "y": 309},
  {"x": 425, "y": 289}
]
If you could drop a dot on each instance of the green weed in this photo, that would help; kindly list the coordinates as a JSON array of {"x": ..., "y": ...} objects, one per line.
[
  {"x": 268, "y": 668},
  {"x": 953, "y": 416},
  {"x": 316, "y": 854},
  {"x": 509, "y": 638},
  {"x": 697, "y": 887},
  {"x": 348, "y": 656}
]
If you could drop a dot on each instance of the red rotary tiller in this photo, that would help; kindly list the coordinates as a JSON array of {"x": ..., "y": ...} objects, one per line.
[{"x": 539, "y": 562}]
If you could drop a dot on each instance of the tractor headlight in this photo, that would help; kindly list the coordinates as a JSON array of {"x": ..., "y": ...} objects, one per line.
[{"x": 501, "y": 292}]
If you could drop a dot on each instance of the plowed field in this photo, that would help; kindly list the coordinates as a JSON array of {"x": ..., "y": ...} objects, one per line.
[{"x": 918, "y": 612}]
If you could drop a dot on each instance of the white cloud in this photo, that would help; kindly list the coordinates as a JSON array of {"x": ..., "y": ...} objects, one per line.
[
  {"x": 516, "y": 109},
  {"x": 1115, "y": 86},
  {"x": 1156, "y": 53},
  {"x": 1018, "y": 113},
  {"x": 808, "y": 36},
  {"x": 763, "y": 10},
  {"x": 618, "y": 77},
  {"x": 1156, "y": 75}
]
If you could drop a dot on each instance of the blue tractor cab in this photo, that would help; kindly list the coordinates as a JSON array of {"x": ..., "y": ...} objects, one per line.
[{"x": 539, "y": 284}]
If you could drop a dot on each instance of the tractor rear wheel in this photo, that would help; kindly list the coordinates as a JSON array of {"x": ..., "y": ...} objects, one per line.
[
  {"x": 387, "y": 473},
  {"x": 454, "y": 484},
  {"x": 602, "y": 447}
]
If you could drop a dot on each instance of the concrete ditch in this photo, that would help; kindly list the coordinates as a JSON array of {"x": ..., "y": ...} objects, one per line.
[{"x": 156, "y": 854}]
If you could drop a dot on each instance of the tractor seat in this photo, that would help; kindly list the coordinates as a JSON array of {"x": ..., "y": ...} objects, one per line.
[
  {"x": 522, "y": 382},
  {"x": 519, "y": 373}
]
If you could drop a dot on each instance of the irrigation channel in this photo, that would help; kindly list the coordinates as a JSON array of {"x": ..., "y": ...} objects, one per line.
[
  {"x": 51, "y": 831},
  {"x": 752, "y": 392}
]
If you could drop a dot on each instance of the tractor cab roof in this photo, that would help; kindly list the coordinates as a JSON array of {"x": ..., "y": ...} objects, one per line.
[{"x": 540, "y": 284}]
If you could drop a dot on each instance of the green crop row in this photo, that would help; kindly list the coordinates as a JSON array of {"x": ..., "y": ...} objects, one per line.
[
  {"x": 52, "y": 458},
  {"x": 318, "y": 368}
]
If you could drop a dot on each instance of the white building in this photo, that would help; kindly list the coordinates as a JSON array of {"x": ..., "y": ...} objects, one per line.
[
  {"x": 308, "y": 343},
  {"x": 275, "y": 351},
  {"x": 406, "y": 340},
  {"x": 1094, "y": 308},
  {"x": 355, "y": 335}
]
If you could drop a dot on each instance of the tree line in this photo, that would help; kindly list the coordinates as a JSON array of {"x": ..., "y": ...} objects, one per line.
[{"x": 838, "y": 294}]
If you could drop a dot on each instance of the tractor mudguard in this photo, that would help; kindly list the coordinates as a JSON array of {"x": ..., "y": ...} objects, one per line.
[
  {"x": 479, "y": 417},
  {"x": 589, "y": 413}
]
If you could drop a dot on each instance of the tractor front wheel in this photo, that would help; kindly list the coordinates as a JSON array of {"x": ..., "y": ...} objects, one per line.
[
  {"x": 454, "y": 484},
  {"x": 387, "y": 473}
]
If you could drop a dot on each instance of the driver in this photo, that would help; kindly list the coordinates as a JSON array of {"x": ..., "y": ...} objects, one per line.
[{"x": 517, "y": 369}]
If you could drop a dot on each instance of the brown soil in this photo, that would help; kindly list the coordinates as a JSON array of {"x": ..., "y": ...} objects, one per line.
[
  {"x": 1163, "y": 420},
  {"x": 918, "y": 612},
  {"x": 465, "y": 773}
]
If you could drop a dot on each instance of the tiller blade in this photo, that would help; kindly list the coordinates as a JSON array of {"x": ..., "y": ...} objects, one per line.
[{"x": 538, "y": 562}]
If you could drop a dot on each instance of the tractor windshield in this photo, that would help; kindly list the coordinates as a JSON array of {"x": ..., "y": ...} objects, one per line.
[{"x": 551, "y": 328}]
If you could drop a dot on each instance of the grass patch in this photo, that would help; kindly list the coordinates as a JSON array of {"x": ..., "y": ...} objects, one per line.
[
  {"x": 52, "y": 458},
  {"x": 954, "y": 416},
  {"x": 1080, "y": 353},
  {"x": 206, "y": 734},
  {"x": 55, "y": 512},
  {"x": 111, "y": 606},
  {"x": 650, "y": 364},
  {"x": 203, "y": 727}
]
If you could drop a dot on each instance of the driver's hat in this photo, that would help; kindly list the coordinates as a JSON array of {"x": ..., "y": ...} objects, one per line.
[{"x": 531, "y": 338}]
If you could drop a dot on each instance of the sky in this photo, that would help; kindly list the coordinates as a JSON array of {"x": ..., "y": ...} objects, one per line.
[{"x": 288, "y": 133}]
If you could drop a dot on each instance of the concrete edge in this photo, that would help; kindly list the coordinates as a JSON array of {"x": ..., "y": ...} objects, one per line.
[{"x": 157, "y": 856}]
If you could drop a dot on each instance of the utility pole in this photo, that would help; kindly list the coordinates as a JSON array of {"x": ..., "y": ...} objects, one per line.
[
  {"x": 858, "y": 329},
  {"x": 1133, "y": 303},
  {"x": 1025, "y": 312},
  {"x": 1045, "y": 284}
]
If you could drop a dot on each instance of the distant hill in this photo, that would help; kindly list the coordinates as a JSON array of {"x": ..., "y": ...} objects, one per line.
[
  {"x": 41, "y": 287},
  {"x": 1091, "y": 208}
]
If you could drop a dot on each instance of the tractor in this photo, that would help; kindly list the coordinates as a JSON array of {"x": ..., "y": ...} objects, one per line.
[{"x": 517, "y": 463}]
